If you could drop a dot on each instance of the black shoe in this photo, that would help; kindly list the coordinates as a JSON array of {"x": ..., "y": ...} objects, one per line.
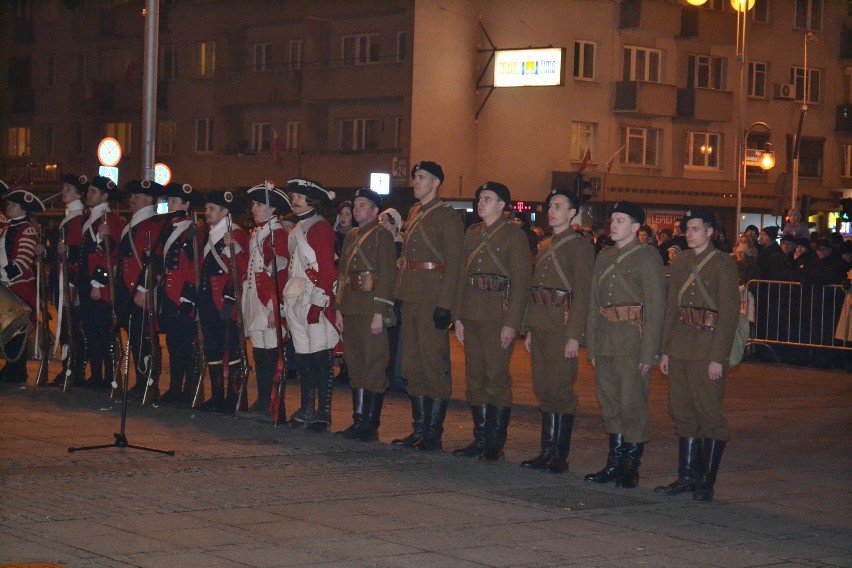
[
  {"x": 562, "y": 444},
  {"x": 497, "y": 426},
  {"x": 629, "y": 477},
  {"x": 432, "y": 441},
  {"x": 421, "y": 410},
  {"x": 688, "y": 468},
  {"x": 474, "y": 449},
  {"x": 548, "y": 442},
  {"x": 613, "y": 462},
  {"x": 711, "y": 457}
]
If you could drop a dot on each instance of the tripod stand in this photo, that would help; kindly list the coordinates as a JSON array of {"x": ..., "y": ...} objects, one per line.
[{"x": 120, "y": 436}]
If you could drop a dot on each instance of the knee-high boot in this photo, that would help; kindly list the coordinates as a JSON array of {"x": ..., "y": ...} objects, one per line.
[
  {"x": 562, "y": 443},
  {"x": 421, "y": 409},
  {"x": 433, "y": 439},
  {"x": 370, "y": 431},
  {"x": 479, "y": 433},
  {"x": 711, "y": 456},
  {"x": 630, "y": 463},
  {"x": 307, "y": 385},
  {"x": 688, "y": 468},
  {"x": 325, "y": 388},
  {"x": 548, "y": 442},
  {"x": 360, "y": 402},
  {"x": 217, "y": 390},
  {"x": 613, "y": 462},
  {"x": 498, "y": 426}
]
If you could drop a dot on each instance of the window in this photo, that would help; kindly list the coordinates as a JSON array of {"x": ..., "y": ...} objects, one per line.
[
  {"x": 397, "y": 132},
  {"x": 810, "y": 156},
  {"x": 642, "y": 146},
  {"x": 206, "y": 55},
  {"x": 797, "y": 76},
  {"x": 50, "y": 71},
  {"x": 703, "y": 149},
  {"x": 846, "y": 162},
  {"x": 168, "y": 61},
  {"x": 706, "y": 72},
  {"x": 166, "y": 136},
  {"x": 48, "y": 140},
  {"x": 262, "y": 57},
  {"x": 78, "y": 139},
  {"x": 401, "y": 47},
  {"x": 18, "y": 141},
  {"x": 757, "y": 71},
  {"x": 582, "y": 138},
  {"x": 294, "y": 55},
  {"x": 121, "y": 131},
  {"x": 584, "y": 60},
  {"x": 808, "y": 14},
  {"x": 81, "y": 67},
  {"x": 261, "y": 137},
  {"x": 641, "y": 64},
  {"x": 359, "y": 134},
  {"x": 760, "y": 12},
  {"x": 291, "y": 142},
  {"x": 118, "y": 65},
  {"x": 360, "y": 49},
  {"x": 203, "y": 135}
]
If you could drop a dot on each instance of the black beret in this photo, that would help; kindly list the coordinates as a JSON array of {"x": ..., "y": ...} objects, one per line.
[
  {"x": 144, "y": 187},
  {"x": 368, "y": 193},
  {"x": 184, "y": 191},
  {"x": 629, "y": 208},
  {"x": 573, "y": 198},
  {"x": 823, "y": 243},
  {"x": 310, "y": 189},
  {"x": 277, "y": 197},
  {"x": 803, "y": 242},
  {"x": 431, "y": 167},
  {"x": 771, "y": 231},
  {"x": 702, "y": 213},
  {"x": 26, "y": 200},
  {"x": 79, "y": 183},
  {"x": 227, "y": 199},
  {"x": 501, "y": 190},
  {"x": 106, "y": 185},
  {"x": 752, "y": 228},
  {"x": 788, "y": 237}
]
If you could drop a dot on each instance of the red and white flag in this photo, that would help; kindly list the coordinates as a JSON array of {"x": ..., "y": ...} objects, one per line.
[
  {"x": 609, "y": 165},
  {"x": 587, "y": 157}
]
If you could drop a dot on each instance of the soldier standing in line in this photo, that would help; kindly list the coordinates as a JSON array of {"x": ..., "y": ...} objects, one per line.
[
  {"x": 557, "y": 315},
  {"x": 702, "y": 312},
  {"x": 138, "y": 238},
  {"x": 261, "y": 308},
  {"x": 68, "y": 249},
  {"x": 178, "y": 293},
  {"x": 490, "y": 308},
  {"x": 365, "y": 297},
  {"x": 17, "y": 271},
  {"x": 625, "y": 322},
  {"x": 217, "y": 300},
  {"x": 92, "y": 284},
  {"x": 429, "y": 273},
  {"x": 308, "y": 299}
]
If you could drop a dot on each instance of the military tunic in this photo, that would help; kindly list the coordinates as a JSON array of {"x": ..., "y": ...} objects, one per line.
[
  {"x": 433, "y": 235},
  {"x": 695, "y": 401},
  {"x": 554, "y": 374},
  {"x": 619, "y": 348},
  {"x": 367, "y": 250},
  {"x": 500, "y": 249}
]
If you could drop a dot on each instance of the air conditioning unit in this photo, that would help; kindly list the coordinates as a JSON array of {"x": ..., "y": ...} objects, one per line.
[{"x": 785, "y": 91}]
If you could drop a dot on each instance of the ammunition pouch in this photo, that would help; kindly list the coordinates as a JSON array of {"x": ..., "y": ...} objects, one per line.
[
  {"x": 364, "y": 281},
  {"x": 625, "y": 312},
  {"x": 489, "y": 282},
  {"x": 702, "y": 318}
]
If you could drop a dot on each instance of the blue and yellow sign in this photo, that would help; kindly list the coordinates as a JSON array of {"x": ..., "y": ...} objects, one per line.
[{"x": 529, "y": 67}]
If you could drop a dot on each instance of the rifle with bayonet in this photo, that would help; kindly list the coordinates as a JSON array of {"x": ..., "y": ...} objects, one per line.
[
  {"x": 43, "y": 332},
  {"x": 244, "y": 369},
  {"x": 200, "y": 354},
  {"x": 117, "y": 350},
  {"x": 69, "y": 350},
  {"x": 154, "y": 356}
]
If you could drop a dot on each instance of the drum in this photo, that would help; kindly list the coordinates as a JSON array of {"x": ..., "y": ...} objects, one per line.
[{"x": 14, "y": 315}]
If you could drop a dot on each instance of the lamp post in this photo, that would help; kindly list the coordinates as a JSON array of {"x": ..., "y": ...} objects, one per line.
[{"x": 765, "y": 160}]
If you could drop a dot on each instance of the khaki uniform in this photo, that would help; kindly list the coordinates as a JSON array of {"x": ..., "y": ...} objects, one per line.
[
  {"x": 619, "y": 347},
  {"x": 365, "y": 287},
  {"x": 501, "y": 250},
  {"x": 553, "y": 325},
  {"x": 429, "y": 271},
  {"x": 695, "y": 401}
]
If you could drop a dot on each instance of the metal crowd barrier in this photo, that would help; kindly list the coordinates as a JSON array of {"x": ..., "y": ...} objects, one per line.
[{"x": 804, "y": 315}]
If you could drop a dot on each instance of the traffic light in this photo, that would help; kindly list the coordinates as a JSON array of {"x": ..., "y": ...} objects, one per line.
[{"x": 846, "y": 209}]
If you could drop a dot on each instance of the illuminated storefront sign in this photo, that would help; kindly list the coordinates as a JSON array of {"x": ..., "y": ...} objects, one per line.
[{"x": 529, "y": 67}]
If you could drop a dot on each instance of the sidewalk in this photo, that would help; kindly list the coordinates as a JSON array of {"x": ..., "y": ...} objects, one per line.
[{"x": 239, "y": 492}]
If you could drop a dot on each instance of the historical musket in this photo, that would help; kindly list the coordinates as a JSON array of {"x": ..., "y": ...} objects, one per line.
[{"x": 242, "y": 403}]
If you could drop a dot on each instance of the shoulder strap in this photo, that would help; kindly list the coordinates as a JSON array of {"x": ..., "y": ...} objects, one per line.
[
  {"x": 356, "y": 249},
  {"x": 694, "y": 277},
  {"x": 551, "y": 252},
  {"x": 485, "y": 243},
  {"x": 415, "y": 224}
]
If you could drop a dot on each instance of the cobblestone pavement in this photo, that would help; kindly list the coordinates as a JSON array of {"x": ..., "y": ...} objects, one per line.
[{"x": 239, "y": 492}]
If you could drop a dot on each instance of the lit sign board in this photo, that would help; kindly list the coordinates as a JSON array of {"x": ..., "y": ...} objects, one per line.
[
  {"x": 380, "y": 183},
  {"x": 529, "y": 67}
]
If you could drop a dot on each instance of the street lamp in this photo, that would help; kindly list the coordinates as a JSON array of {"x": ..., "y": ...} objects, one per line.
[{"x": 765, "y": 159}]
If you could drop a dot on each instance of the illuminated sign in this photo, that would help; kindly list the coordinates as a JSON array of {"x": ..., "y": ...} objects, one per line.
[
  {"x": 380, "y": 183},
  {"x": 522, "y": 207},
  {"x": 528, "y": 67},
  {"x": 109, "y": 152}
]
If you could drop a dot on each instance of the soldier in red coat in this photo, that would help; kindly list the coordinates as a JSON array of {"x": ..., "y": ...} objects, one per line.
[
  {"x": 17, "y": 259},
  {"x": 102, "y": 225},
  {"x": 216, "y": 298},
  {"x": 137, "y": 240},
  {"x": 177, "y": 292},
  {"x": 68, "y": 250}
]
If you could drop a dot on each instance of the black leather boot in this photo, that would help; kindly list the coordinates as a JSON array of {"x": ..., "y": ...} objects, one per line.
[
  {"x": 216, "y": 403},
  {"x": 711, "y": 457},
  {"x": 562, "y": 446},
  {"x": 360, "y": 402},
  {"x": 307, "y": 385},
  {"x": 613, "y": 462},
  {"x": 433, "y": 439},
  {"x": 548, "y": 441},
  {"x": 325, "y": 389},
  {"x": 688, "y": 468},
  {"x": 478, "y": 444},
  {"x": 421, "y": 410},
  {"x": 630, "y": 462},
  {"x": 370, "y": 431},
  {"x": 498, "y": 426}
]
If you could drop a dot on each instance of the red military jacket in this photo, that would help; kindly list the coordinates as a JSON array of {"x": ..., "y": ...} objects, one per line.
[
  {"x": 177, "y": 254},
  {"x": 18, "y": 256},
  {"x": 142, "y": 232},
  {"x": 93, "y": 251},
  {"x": 215, "y": 277},
  {"x": 71, "y": 233}
]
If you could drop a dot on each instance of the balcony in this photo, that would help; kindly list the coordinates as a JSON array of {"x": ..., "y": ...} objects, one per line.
[
  {"x": 710, "y": 105},
  {"x": 261, "y": 88},
  {"x": 843, "y": 123},
  {"x": 645, "y": 99}
]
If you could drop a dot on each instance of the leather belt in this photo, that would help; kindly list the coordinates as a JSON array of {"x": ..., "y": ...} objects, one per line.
[
  {"x": 626, "y": 312},
  {"x": 425, "y": 265},
  {"x": 364, "y": 281},
  {"x": 489, "y": 282},
  {"x": 549, "y": 296},
  {"x": 702, "y": 318}
]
